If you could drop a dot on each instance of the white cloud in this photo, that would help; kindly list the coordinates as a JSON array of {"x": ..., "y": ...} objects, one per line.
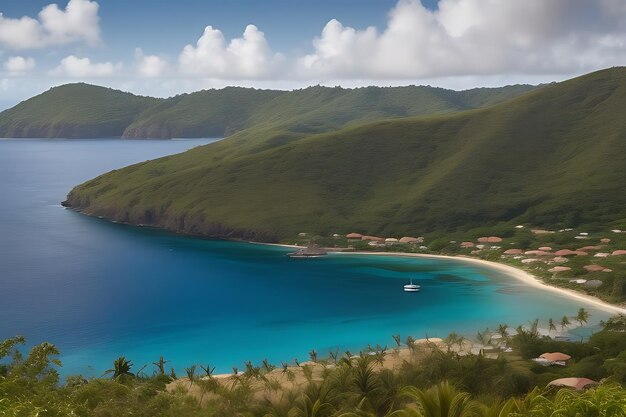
[
  {"x": 19, "y": 65},
  {"x": 470, "y": 37},
  {"x": 149, "y": 65},
  {"x": 74, "y": 67},
  {"x": 248, "y": 57},
  {"x": 78, "y": 22}
]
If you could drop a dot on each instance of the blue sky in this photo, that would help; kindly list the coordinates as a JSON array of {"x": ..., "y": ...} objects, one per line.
[{"x": 161, "y": 47}]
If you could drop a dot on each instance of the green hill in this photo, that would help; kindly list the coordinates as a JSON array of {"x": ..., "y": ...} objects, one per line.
[
  {"x": 74, "y": 111},
  {"x": 556, "y": 155},
  {"x": 82, "y": 110}
]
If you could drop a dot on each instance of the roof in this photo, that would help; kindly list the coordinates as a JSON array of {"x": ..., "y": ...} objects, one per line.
[
  {"x": 555, "y": 356},
  {"x": 577, "y": 383}
]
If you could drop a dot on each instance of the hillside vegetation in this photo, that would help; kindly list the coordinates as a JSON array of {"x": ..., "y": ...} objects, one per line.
[
  {"x": 553, "y": 156},
  {"x": 87, "y": 111},
  {"x": 73, "y": 111}
]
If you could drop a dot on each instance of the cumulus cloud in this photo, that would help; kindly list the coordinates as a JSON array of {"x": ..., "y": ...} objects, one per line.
[
  {"x": 74, "y": 67},
  {"x": 18, "y": 65},
  {"x": 149, "y": 65},
  {"x": 469, "y": 37},
  {"x": 248, "y": 57},
  {"x": 78, "y": 22}
]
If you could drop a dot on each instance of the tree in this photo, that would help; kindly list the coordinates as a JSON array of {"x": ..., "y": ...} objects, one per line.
[
  {"x": 160, "y": 364},
  {"x": 441, "y": 400},
  {"x": 398, "y": 340},
  {"x": 365, "y": 379},
  {"x": 503, "y": 332},
  {"x": 564, "y": 322},
  {"x": 483, "y": 337},
  {"x": 191, "y": 374},
  {"x": 450, "y": 340},
  {"x": 582, "y": 316},
  {"x": 551, "y": 326},
  {"x": 121, "y": 369}
]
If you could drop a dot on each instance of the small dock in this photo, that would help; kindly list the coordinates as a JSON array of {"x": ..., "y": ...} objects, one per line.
[{"x": 311, "y": 251}]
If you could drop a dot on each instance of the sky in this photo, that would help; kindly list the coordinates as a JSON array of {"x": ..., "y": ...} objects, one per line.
[{"x": 165, "y": 47}]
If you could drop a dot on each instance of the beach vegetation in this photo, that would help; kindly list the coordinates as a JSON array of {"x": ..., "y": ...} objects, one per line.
[{"x": 435, "y": 378}]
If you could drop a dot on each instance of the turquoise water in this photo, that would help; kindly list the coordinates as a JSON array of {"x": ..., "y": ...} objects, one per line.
[{"x": 100, "y": 290}]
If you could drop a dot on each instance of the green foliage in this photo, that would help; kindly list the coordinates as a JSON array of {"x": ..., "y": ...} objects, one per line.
[
  {"x": 121, "y": 369},
  {"x": 82, "y": 110},
  {"x": 531, "y": 159},
  {"x": 74, "y": 111},
  {"x": 431, "y": 382}
]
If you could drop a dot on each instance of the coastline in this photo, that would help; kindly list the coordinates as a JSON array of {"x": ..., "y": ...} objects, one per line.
[{"x": 513, "y": 272}]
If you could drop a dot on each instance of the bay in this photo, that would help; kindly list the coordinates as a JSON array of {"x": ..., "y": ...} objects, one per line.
[{"x": 99, "y": 290}]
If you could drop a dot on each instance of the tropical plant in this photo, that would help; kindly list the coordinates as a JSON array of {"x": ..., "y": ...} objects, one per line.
[
  {"x": 551, "y": 326},
  {"x": 442, "y": 400},
  {"x": 160, "y": 364},
  {"x": 582, "y": 316},
  {"x": 121, "y": 369},
  {"x": 191, "y": 374}
]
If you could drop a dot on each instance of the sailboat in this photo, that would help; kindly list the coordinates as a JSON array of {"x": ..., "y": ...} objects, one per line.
[{"x": 411, "y": 287}]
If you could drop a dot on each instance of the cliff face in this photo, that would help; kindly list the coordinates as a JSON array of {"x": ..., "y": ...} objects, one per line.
[{"x": 196, "y": 225}]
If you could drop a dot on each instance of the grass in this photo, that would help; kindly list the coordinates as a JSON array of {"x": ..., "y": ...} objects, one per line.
[
  {"x": 82, "y": 110},
  {"x": 553, "y": 157},
  {"x": 74, "y": 111}
]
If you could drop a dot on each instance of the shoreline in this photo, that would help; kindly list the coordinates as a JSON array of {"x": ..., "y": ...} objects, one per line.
[{"x": 511, "y": 271}]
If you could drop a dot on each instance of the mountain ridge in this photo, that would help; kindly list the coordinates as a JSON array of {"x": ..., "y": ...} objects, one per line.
[
  {"x": 84, "y": 110},
  {"x": 553, "y": 156}
]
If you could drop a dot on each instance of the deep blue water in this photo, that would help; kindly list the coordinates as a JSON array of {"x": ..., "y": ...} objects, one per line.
[{"x": 100, "y": 290}]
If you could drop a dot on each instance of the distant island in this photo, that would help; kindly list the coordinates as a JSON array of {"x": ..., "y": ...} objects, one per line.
[{"x": 89, "y": 111}]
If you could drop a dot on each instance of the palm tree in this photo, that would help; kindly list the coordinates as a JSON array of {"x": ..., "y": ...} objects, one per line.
[
  {"x": 160, "y": 364},
  {"x": 564, "y": 322},
  {"x": 191, "y": 374},
  {"x": 442, "y": 400},
  {"x": 267, "y": 366},
  {"x": 551, "y": 326},
  {"x": 410, "y": 343},
  {"x": 534, "y": 328},
  {"x": 208, "y": 370},
  {"x": 379, "y": 355},
  {"x": 460, "y": 341},
  {"x": 503, "y": 331},
  {"x": 484, "y": 338},
  {"x": 582, "y": 316},
  {"x": 398, "y": 340},
  {"x": 450, "y": 340},
  {"x": 121, "y": 368}
]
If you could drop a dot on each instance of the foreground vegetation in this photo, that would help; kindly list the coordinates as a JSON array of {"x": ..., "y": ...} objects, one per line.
[{"x": 425, "y": 379}]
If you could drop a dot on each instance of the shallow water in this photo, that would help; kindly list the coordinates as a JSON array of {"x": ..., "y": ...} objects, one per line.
[{"x": 100, "y": 290}]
